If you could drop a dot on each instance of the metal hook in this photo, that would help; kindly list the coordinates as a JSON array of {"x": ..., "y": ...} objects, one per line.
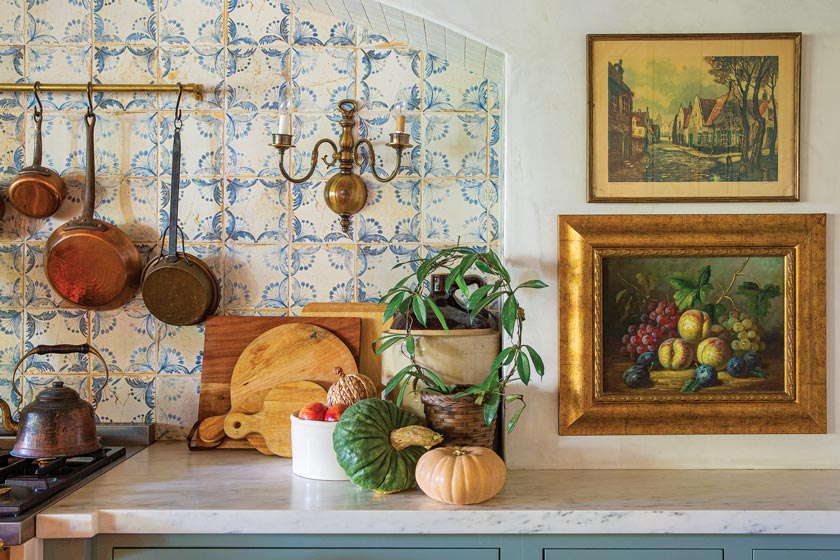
[
  {"x": 90, "y": 99},
  {"x": 178, "y": 105},
  {"x": 39, "y": 107}
]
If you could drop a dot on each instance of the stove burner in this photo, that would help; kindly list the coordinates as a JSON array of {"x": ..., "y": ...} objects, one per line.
[{"x": 28, "y": 482}]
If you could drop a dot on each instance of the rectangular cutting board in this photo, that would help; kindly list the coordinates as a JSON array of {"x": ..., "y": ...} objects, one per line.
[{"x": 225, "y": 337}]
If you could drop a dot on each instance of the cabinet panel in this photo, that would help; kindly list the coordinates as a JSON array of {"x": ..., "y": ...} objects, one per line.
[
  {"x": 305, "y": 554},
  {"x": 796, "y": 554},
  {"x": 632, "y": 554}
]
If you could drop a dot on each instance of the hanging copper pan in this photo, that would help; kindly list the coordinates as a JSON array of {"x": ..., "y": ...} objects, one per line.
[
  {"x": 178, "y": 288},
  {"x": 37, "y": 191},
  {"x": 88, "y": 261}
]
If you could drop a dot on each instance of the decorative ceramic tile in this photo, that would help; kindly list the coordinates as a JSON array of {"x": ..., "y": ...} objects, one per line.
[
  {"x": 58, "y": 21},
  {"x": 463, "y": 90},
  {"x": 314, "y": 29},
  {"x": 199, "y": 208},
  {"x": 71, "y": 63},
  {"x": 61, "y": 326},
  {"x": 495, "y": 146},
  {"x": 312, "y": 220},
  {"x": 250, "y": 273},
  {"x": 180, "y": 349},
  {"x": 202, "y": 151},
  {"x": 189, "y": 22},
  {"x": 183, "y": 64},
  {"x": 39, "y": 293},
  {"x": 389, "y": 207},
  {"x": 11, "y": 275},
  {"x": 34, "y": 384},
  {"x": 6, "y": 393},
  {"x": 377, "y": 273},
  {"x": 377, "y": 128},
  {"x": 125, "y": 21},
  {"x": 266, "y": 21},
  {"x": 455, "y": 145},
  {"x": 494, "y": 211},
  {"x": 322, "y": 273},
  {"x": 131, "y": 205},
  {"x": 136, "y": 64},
  {"x": 261, "y": 80},
  {"x": 384, "y": 73},
  {"x": 125, "y": 399},
  {"x": 322, "y": 77},
  {"x": 455, "y": 210},
  {"x": 176, "y": 405},
  {"x": 256, "y": 211},
  {"x": 11, "y": 334},
  {"x": 126, "y": 337},
  {"x": 11, "y": 26},
  {"x": 248, "y": 136}
]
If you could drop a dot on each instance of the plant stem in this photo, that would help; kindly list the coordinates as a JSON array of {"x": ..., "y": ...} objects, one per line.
[{"x": 737, "y": 273}]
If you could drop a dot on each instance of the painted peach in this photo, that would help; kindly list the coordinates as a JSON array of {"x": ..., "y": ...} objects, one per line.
[
  {"x": 718, "y": 331},
  {"x": 714, "y": 352},
  {"x": 694, "y": 325},
  {"x": 675, "y": 353}
]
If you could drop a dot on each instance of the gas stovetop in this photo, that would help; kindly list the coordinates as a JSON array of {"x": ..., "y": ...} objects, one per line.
[{"x": 25, "y": 483}]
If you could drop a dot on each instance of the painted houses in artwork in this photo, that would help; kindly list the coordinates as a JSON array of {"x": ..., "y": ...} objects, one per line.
[{"x": 620, "y": 117}]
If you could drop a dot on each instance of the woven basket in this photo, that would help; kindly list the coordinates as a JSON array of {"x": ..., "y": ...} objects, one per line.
[{"x": 459, "y": 421}]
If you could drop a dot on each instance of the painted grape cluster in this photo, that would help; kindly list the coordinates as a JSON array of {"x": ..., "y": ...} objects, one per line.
[{"x": 657, "y": 323}]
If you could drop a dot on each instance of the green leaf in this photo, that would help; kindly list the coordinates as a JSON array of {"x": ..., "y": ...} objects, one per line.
[
  {"x": 621, "y": 295},
  {"x": 537, "y": 361},
  {"x": 680, "y": 281},
  {"x": 491, "y": 407},
  {"x": 388, "y": 341},
  {"x": 715, "y": 310},
  {"x": 392, "y": 384},
  {"x": 436, "y": 310},
  {"x": 432, "y": 379},
  {"x": 690, "y": 386},
  {"x": 462, "y": 285},
  {"x": 478, "y": 295},
  {"x": 502, "y": 359},
  {"x": 393, "y": 306},
  {"x": 500, "y": 269},
  {"x": 704, "y": 275},
  {"x": 758, "y": 298},
  {"x": 536, "y": 284},
  {"x": 759, "y": 373},
  {"x": 523, "y": 368},
  {"x": 484, "y": 303},
  {"x": 515, "y": 418},
  {"x": 401, "y": 394},
  {"x": 684, "y": 298},
  {"x": 483, "y": 267},
  {"x": 419, "y": 308},
  {"x": 509, "y": 314},
  {"x": 704, "y": 292}
]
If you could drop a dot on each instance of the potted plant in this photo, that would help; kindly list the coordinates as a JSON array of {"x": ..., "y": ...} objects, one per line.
[{"x": 515, "y": 362}]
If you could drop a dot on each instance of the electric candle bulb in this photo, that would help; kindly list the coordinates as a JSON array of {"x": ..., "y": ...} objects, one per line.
[
  {"x": 400, "y": 107},
  {"x": 284, "y": 124}
]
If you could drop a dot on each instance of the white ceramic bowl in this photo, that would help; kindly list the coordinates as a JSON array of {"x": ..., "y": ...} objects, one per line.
[{"x": 312, "y": 450}]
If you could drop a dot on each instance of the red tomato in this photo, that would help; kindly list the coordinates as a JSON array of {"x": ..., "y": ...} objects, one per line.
[{"x": 313, "y": 411}]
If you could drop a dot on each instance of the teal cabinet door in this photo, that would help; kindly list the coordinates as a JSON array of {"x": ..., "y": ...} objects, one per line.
[
  {"x": 632, "y": 554},
  {"x": 305, "y": 554},
  {"x": 796, "y": 554}
]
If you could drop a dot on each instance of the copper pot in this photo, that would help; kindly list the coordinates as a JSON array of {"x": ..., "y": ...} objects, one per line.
[
  {"x": 90, "y": 262},
  {"x": 37, "y": 191},
  {"x": 178, "y": 288},
  {"x": 58, "y": 421}
]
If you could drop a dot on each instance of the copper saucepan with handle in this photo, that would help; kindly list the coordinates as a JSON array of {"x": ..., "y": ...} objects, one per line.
[
  {"x": 178, "y": 288},
  {"x": 37, "y": 191},
  {"x": 89, "y": 261}
]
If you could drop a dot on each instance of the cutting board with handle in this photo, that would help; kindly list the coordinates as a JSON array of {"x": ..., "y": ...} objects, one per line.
[
  {"x": 372, "y": 328},
  {"x": 272, "y": 420},
  {"x": 238, "y": 352}
]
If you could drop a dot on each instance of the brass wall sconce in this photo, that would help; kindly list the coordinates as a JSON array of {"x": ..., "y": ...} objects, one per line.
[{"x": 345, "y": 192}]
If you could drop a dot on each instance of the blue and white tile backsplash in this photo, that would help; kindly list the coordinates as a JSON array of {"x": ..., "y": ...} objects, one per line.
[{"x": 274, "y": 246}]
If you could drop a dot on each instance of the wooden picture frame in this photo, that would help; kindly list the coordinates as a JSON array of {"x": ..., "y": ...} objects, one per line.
[
  {"x": 666, "y": 121},
  {"x": 783, "y": 284}
]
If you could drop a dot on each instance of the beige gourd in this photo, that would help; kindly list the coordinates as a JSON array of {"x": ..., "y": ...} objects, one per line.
[
  {"x": 350, "y": 388},
  {"x": 461, "y": 475}
]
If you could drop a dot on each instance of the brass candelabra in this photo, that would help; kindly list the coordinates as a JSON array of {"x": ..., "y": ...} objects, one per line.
[{"x": 345, "y": 192}]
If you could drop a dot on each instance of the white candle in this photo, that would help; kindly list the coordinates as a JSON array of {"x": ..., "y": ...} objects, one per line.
[{"x": 285, "y": 124}]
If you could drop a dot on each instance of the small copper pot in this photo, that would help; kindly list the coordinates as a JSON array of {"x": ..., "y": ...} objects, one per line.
[
  {"x": 58, "y": 421},
  {"x": 37, "y": 191}
]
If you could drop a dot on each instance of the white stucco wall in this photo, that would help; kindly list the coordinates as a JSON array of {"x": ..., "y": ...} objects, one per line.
[{"x": 545, "y": 175}]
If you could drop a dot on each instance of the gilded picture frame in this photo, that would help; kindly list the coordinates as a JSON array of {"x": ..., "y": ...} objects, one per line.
[
  {"x": 703, "y": 117},
  {"x": 693, "y": 285}
]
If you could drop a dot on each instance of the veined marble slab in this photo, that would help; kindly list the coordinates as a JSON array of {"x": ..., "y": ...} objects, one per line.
[{"x": 167, "y": 489}]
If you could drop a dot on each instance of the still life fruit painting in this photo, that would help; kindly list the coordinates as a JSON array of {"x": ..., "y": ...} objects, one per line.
[{"x": 692, "y": 324}]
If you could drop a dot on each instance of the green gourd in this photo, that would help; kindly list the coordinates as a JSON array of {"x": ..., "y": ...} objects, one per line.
[{"x": 378, "y": 445}]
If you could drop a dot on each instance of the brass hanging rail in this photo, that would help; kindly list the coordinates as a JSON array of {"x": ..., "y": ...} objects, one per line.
[{"x": 153, "y": 88}]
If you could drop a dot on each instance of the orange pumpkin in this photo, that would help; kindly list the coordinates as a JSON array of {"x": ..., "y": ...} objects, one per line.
[{"x": 460, "y": 475}]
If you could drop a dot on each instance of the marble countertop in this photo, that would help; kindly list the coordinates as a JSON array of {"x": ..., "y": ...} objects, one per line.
[{"x": 167, "y": 489}]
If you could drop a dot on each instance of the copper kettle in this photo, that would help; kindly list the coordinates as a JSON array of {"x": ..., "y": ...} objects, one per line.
[{"x": 58, "y": 421}]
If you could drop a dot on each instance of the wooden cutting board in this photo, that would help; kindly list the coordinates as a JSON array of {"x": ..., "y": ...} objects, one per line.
[
  {"x": 224, "y": 342},
  {"x": 372, "y": 327},
  {"x": 272, "y": 421}
]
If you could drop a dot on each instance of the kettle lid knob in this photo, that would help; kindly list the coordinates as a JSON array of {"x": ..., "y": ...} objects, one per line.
[{"x": 58, "y": 384}]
